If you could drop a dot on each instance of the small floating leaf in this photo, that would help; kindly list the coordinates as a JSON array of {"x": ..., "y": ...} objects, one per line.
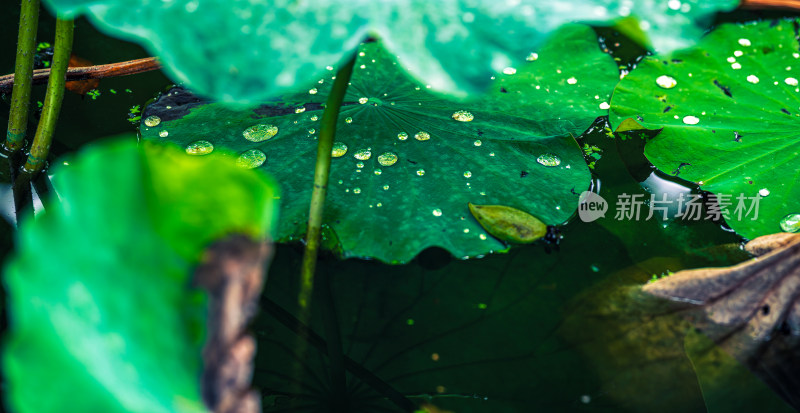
[{"x": 508, "y": 224}]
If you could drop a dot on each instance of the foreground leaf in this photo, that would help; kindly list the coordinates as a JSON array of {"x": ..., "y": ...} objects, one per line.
[
  {"x": 99, "y": 297},
  {"x": 729, "y": 111},
  {"x": 407, "y": 163},
  {"x": 259, "y": 49}
]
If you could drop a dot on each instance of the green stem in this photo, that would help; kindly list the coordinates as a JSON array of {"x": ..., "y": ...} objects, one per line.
[
  {"x": 324, "y": 146},
  {"x": 23, "y": 76},
  {"x": 52, "y": 100}
]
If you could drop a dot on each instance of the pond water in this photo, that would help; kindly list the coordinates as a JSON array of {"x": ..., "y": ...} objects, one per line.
[{"x": 537, "y": 329}]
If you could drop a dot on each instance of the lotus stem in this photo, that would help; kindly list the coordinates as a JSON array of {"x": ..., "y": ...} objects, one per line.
[
  {"x": 23, "y": 74},
  {"x": 52, "y": 100},
  {"x": 323, "y": 166}
]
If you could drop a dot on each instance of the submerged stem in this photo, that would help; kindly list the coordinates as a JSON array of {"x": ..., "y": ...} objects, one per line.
[
  {"x": 23, "y": 75},
  {"x": 52, "y": 100},
  {"x": 322, "y": 169}
]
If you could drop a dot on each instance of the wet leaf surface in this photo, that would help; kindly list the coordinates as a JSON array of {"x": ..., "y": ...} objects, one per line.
[
  {"x": 257, "y": 50},
  {"x": 99, "y": 298},
  {"x": 406, "y": 162},
  {"x": 729, "y": 110}
]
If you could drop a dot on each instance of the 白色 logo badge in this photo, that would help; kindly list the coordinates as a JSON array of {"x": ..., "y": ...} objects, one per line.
[{"x": 591, "y": 206}]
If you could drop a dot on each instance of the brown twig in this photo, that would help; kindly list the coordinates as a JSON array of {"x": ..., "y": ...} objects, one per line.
[
  {"x": 761, "y": 4},
  {"x": 233, "y": 273},
  {"x": 130, "y": 67}
]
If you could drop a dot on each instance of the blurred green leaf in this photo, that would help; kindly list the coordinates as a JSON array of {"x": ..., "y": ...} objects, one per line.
[
  {"x": 101, "y": 313},
  {"x": 247, "y": 51}
]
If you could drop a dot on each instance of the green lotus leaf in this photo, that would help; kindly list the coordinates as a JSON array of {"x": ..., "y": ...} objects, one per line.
[
  {"x": 407, "y": 162},
  {"x": 728, "y": 110},
  {"x": 99, "y": 299},
  {"x": 248, "y": 51}
]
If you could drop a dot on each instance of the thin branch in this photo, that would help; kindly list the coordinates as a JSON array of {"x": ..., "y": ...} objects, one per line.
[
  {"x": 130, "y": 67},
  {"x": 761, "y": 4}
]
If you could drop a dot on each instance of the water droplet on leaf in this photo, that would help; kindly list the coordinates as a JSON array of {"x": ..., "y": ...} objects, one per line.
[
  {"x": 549, "y": 159},
  {"x": 691, "y": 120},
  {"x": 260, "y": 132},
  {"x": 463, "y": 116},
  {"x": 363, "y": 154},
  {"x": 251, "y": 159},
  {"x": 387, "y": 159},
  {"x": 201, "y": 147},
  {"x": 152, "y": 121},
  {"x": 422, "y": 136},
  {"x": 791, "y": 223},
  {"x": 666, "y": 82},
  {"x": 339, "y": 149}
]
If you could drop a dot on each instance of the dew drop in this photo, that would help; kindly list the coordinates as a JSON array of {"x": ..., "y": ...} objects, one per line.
[
  {"x": 360, "y": 165},
  {"x": 549, "y": 159},
  {"x": 339, "y": 149},
  {"x": 463, "y": 116},
  {"x": 437, "y": 212},
  {"x": 604, "y": 106},
  {"x": 163, "y": 133},
  {"x": 509, "y": 70},
  {"x": 311, "y": 131},
  {"x": 363, "y": 154},
  {"x": 299, "y": 110},
  {"x": 744, "y": 42},
  {"x": 691, "y": 120},
  {"x": 736, "y": 66},
  {"x": 260, "y": 132},
  {"x": 738, "y": 53},
  {"x": 363, "y": 100},
  {"x": 467, "y": 174},
  {"x": 201, "y": 147},
  {"x": 378, "y": 171},
  {"x": 356, "y": 191},
  {"x": 666, "y": 82},
  {"x": 314, "y": 118},
  {"x": 422, "y": 136},
  {"x": 386, "y": 187},
  {"x": 791, "y": 223},
  {"x": 152, "y": 121},
  {"x": 420, "y": 172},
  {"x": 532, "y": 57},
  {"x": 402, "y": 136},
  {"x": 791, "y": 81},
  {"x": 387, "y": 159},
  {"x": 312, "y": 91},
  {"x": 763, "y": 192},
  {"x": 477, "y": 142},
  {"x": 752, "y": 79},
  {"x": 348, "y": 120},
  {"x": 572, "y": 81},
  {"x": 482, "y": 237},
  {"x": 251, "y": 159}
]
